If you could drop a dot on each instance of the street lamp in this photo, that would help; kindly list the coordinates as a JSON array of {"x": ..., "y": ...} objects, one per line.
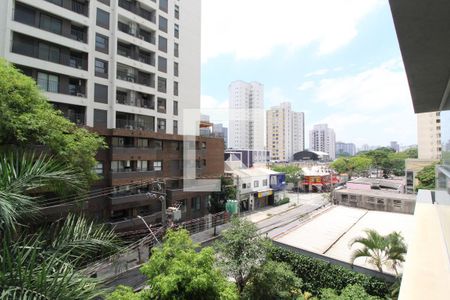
[{"x": 149, "y": 229}]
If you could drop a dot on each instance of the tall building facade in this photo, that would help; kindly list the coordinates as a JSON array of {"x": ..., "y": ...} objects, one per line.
[
  {"x": 346, "y": 149},
  {"x": 246, "y": 115},
  {"x": 285, "y": 132},
  {"x": 298, "y": 132},
  {"x": 218, "y": 130},
  {"x": 127, "y": 69},
  {"x": 429, "y": 135},
  {"x": 395, "y": 146},
  {"x": 322, "y": 138}
]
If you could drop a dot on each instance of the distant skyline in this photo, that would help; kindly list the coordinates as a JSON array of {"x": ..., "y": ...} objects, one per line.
[{"x": 340, "y": 65}]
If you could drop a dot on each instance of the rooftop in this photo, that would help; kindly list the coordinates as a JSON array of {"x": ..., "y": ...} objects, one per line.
[
  {"x": 331, "y": 232},
  {"x": 379, "y": 193}
]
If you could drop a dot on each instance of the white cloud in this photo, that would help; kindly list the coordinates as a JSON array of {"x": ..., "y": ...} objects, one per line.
[
  {"x": 251, "y": 29},
  {"x": 319, "y": 72},
  {"x": 370, "y": 106},
  {"x": 307, "y": 85},
  {"x": 274, "y": 97}
]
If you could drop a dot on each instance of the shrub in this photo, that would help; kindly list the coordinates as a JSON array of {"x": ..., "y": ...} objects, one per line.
[
  {"x": 317, "y": 275},
  {"x": 282, "y": 201}
]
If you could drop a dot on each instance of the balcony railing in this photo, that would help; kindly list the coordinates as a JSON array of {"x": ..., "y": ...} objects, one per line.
[
  {"x": 126, "y": 76},
  {"x": 138, "y": 102},
  {"x": 133, "y": 125},
  {"x": 137, "y": 32},
  {"x": 75, "y": 6},
  {"x": 132, "y": 7}
]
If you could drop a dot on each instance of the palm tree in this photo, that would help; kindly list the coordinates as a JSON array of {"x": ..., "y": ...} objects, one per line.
[
  {"x": 381, "y": 250},
  {"x": 45, "y": 263},
  {"x": 374, "y": 249}
]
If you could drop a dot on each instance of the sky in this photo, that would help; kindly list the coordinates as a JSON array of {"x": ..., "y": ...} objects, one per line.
[{"x": 338, "y": 61}]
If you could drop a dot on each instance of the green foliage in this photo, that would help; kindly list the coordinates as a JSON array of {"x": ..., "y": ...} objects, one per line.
[
  {"x": 27, "y": 118},
  {"x": 22, "y": 176},
  {"x": 350, "y": 292},
  {"x": 317, "y": 275},
  {"x": 177, "y": 270},
  {"x": 411, "y": 153},
  {"x": 241, "y": 251},
  {"x": 45, "y": 265},
  {"x": 218, "y": 199},
  {"x": 282, "y": 201},
  {"x": 379, "y": 250},
  {"x": 273, "y": 281},
  {"x": 359, "y": 165},
  {"x": 44, "y": 262},
  {"x": 126, "y": 293},
  {"x": 427, "y": 178},
  {"x": 293, "y": 173}
]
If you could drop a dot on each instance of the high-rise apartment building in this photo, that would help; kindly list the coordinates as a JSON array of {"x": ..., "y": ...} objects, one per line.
[
  {"x": 429, "y": 135},
  {"x": 345, "y": 149},
  {"x": 298, "y": 132},
  {"x": 246, "y": 115},
  {"x": 395, "y": 146},
  {"x": 218, "y": 130},
  {"x": 285, "y": 132},
  {"x": 128, "y": 69},
  {"x": 322, "y": 138}
]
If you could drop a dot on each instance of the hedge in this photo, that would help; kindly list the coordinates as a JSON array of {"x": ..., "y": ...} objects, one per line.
[
  {"x": 282, "y": 201},
  {"x": 317, "y": 274}
]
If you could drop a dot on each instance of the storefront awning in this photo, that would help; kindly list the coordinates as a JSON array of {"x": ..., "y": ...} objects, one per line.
[{"x": 264, "y": 193}]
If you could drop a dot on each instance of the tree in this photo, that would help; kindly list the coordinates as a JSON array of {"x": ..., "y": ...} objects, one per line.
[
  {"x": 411, "y": 153},
  {"x": 426, "y": 178},
  {"x": 218, "y": 199},
  {"x": 350, "y": 292},
  {"x": 354, "y": 165},
  {"x": 177, "y": 270},
  {"x": 241, "y": 251},
  {"x": 28, "y": 119},
  {"x": 380, "y": 159},
  {"x": 45, "y": 262},
  {"x": 293, "y": 173},
  {"x": 381, "y": 250},
  {"x": 273, "y": 281}
]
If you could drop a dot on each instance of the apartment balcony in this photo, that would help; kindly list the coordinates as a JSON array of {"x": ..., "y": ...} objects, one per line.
[
  {"x": 134, "y": 30},
  {"x": 53, "y": 24},
  {"x": 135, "y": 124},
  {"x": 79, "y": 7},
  {"x": 135, "y": 53},
  {"x": 135, "y": 151},
  {"x": 134, "y": 174},
  {"x": 141, "y": 100},
  {"x": 134, "y": 76},
  {"x": 135, "y": 7}
]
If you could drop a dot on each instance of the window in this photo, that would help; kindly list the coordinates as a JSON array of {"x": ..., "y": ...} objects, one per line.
[
  {"x": 162, "y": 85},
  {"x": 49, "y": 53},
  {"x": 175, "y": 88},
  {"x": 161, "y": 125},
  {"x": 162, "y": 64},
  {"x": 175, "y": 69},
  {"x": 24, "y": 14},
  {"x": 142, "y": 165},
  {"x": 100, "y": 93},
  {"x": 244, "y": 186},
  {"x": 175, "y": 127},
  {"x": 162, "y": 44},
  {"x": 175, "y": 108},
  {"x": 197, "y": 163},
  {"x": 264, "y": 182},
  {"x": 177, "y": 12},
  {"x": 102, "y": 18},
  {"x": 101, "y": 68},
  {"x": 176, "y": 31},
  {"x": 161, "y": 105},
  {"x": 100, "y": 117},
  {"x": 77, "y": 33},
  {"x": 203, "y": 145},
  {"x": 48, "y": 82},
  {"x": 143, "y": 143},
  {"x": 101, "y": 43},
  {"x": 157, "y": 165},
  {"x": 176, "y": 49},
  {"x": 162, "y": 24},
  {"x": 156, "y": 145},
  {"x": 164, "y": 5},
  {"x": 98, "y": 169},
  {"x": 196, "y": 203},
  {"x": 256, "y": 183},
  {"x": 204, "y": 162},
  {"x": 51, "y": 24}
]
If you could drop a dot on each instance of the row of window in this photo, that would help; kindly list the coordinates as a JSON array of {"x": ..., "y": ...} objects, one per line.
[{"x": 255, "y": 184}]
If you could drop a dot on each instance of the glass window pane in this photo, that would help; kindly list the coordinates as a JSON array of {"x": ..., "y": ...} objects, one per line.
[{"x": 42, "y": 80}]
